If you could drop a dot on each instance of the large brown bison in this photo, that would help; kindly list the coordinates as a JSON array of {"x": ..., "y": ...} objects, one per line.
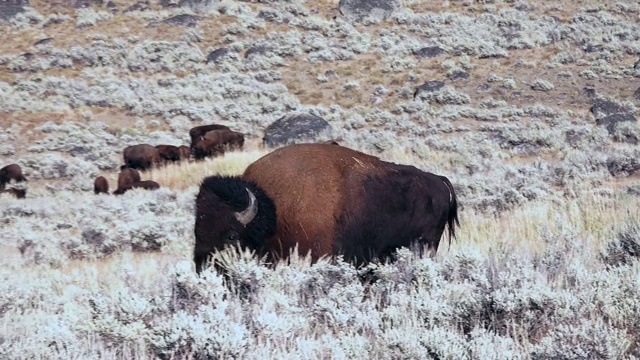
[
  {"x": 11, "y": 172},
  {"x": 141, "y": 156},
  {"x": 328, "y": 200},
  {"x": 169, "y": 153},
  {"x": 101, "y": 185},
  {"x": 198, "y": 132},
  {"x": 18, "y": 193},
  {"x": 215, "y": 142},
  {"x": 126, "y": 179}
]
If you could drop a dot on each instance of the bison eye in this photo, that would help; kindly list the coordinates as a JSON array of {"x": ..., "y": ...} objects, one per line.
[{"x": 232, "y": 236}]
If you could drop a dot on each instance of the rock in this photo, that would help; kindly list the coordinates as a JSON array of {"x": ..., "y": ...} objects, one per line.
[
  {"x": 257, "y": 50},
  {"x": 357, "y": 10},
  {"x": 429, "y": 52},
  {"x": 217, "y": 54},
  {"x": 589, "y": 92},
  {"x": 44, "y": 41},
  {"x": 601, "y": 108},
  {"x": 429, "y": 86},
  {"x": 87, "y": 3},
  {"x": 610, "y": 121},
  {"x": 295, "y": 128},
  {"x": 456, "y": 75},
  {"x": 189, "y": 3},
  {"x": 10, "y": 8},
  {"x": 187, "y": 20},
  {"x": 636, "y": 94},
  {"x": 636, "y": 66},
  {"x": 139, "y": 6}
]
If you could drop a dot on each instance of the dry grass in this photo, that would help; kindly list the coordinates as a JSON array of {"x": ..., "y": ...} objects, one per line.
[{"x": 186, "y": 174}]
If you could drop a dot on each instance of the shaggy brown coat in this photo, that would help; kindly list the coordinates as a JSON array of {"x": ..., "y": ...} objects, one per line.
[
  {"x": 215, "y": 142},
  {"x": 169, "y": 153},
  {"x": 11, "y": 172},
  {"x": 198, "y": 132},
  {"x": 185, "y": 153},
  {"x": 327, "y": 200},
  {"x": 101, "y": 185},
  {"x": 18, "y": 193},
  {"x": 126, "y": 179},
  {"x": 141, "y": 156}
]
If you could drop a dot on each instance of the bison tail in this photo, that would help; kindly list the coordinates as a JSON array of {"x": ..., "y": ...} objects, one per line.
[{"x": 452, "y": 216}]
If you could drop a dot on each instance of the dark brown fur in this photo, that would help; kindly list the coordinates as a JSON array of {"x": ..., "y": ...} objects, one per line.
[
  {"x": 141, "y": 156},
  {"x": 185, "y": 153},
  {"x": 169, "y": 153},
  {"x": 11, "y": 172},
  {"x": 198, "y": 132},
  {"x": 146, "y": 184},
  {"x": 330, "y": 200},
  {"x": 126, "y": 179},
  {"x": 101, "y": 185},
  {"x": 18, "y": 193},
  {"x": 216, "y": 142}
]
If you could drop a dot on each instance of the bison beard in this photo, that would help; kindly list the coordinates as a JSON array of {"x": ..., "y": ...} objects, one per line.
[
  {"x": 223, "y": 205},
  {"x": 354, "y": 204}
]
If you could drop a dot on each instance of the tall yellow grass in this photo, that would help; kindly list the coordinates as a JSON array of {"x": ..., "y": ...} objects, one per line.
[{"x": 186, "y": 174}]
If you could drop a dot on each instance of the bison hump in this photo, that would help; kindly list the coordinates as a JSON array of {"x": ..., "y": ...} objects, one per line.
[{"x": 296, "y": 128}]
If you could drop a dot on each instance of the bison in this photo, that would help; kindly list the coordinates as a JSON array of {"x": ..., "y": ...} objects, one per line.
[
  {"x": 185, "y": 152},
  {"x": 11, "y": 172},
  {"x": 215, "y": 142},
  {"x": 101, "y": 185},
  {"x": 126, "y": 179},
  {"x": 198, "y": 132},
  {"x": 141, "y": 156},
  {"x": 327, "y": 200},
  {"x": 18, "y": 193},
  {"x": 169, "y": 153},
  {"x": 146, "y": 184}
]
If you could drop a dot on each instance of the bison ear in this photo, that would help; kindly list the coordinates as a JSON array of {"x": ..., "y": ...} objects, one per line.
[{"x": 246, "y": 215}]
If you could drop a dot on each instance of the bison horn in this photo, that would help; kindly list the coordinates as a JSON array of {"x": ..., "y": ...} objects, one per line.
[{"x": 246, "y": 215}]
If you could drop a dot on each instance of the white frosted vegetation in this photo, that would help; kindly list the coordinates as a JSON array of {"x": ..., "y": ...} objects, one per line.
[{"x": 466, "y": 304}]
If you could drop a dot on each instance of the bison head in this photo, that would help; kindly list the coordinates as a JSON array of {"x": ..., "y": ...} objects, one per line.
[{"x": 231, "y": 211}]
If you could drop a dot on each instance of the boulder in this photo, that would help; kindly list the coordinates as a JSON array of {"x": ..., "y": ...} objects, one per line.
[
  {"x": 296, "y": 128},
  {"x": 10, "y": 8},
  {"x": 429, "y": 52},
  {"x": 216, "y": 55},
  {"x": 429, "y": 86},
  {"x": 357, "y": 10}
]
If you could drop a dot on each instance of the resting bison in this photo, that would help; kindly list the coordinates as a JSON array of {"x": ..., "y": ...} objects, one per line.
[
  {"x": 101, "y": 185},
  {"x": 18, "y": 193},
  {"x": 329, "y": 200},
  {"x": 11, "y": 172},
  {"x": 126, "y": 179},
  {"x": 146, "y": 184},
  {"x": 169, "y": 153},
  {"x": 185, "y": 152},
  {"x": 214, "y": 142},
  {"x": 198, "y": 132},
  {"x": 142, "y": 156}
]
